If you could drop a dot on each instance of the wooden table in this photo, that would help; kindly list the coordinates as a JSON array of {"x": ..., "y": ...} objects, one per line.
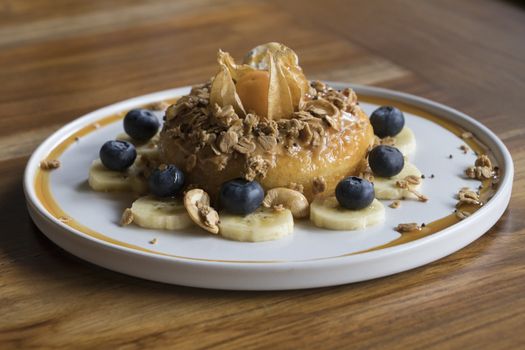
[{"x": 62, "y": 58}]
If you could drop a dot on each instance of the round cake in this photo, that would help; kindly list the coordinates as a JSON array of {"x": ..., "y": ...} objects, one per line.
[{"x": 263, "y": 120}]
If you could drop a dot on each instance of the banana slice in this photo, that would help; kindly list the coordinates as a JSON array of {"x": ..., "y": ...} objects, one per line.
[
  {"x": 160, "y": 213},
  {"x": 386, "y": 188},
  {"x": 105, "y": 180},
  {"x": 262, "y": 225},
  {"x": 405, "y": 141},
  {"x": 327, "y": 213},
  {"x": 102, "y": 179},
  {"x": 149, "y": 148}
]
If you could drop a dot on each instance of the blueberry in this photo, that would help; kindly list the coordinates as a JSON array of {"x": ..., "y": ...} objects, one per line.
[
  {"x": 141, "y": 124},
  {"x": 166, "y": 181},
  {"x": 387, "y": 121},
  {"x": 117, "y": 155},
  {"x": 240, "y": 196},
  {"x": 386, "y": 161},
  {"x": 354, "y": 193}
]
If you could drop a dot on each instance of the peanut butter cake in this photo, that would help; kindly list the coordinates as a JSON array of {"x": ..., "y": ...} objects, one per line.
[
  {"x": 259, "y": 146},
  {"x": 263, "y": 120}
]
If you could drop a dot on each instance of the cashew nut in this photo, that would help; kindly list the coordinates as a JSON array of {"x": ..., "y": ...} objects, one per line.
[
  {"x": 288, "y": 198},
  {"x": 197, "y": 204}
]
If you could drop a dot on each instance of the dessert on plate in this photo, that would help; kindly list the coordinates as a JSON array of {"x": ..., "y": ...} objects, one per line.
[
  {"x": 257, "y": 147},
  {"x": 263, "y": 120}
]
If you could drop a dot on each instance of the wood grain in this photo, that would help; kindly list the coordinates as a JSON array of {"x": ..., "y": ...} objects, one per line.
[{"x": 63, "y": 58}]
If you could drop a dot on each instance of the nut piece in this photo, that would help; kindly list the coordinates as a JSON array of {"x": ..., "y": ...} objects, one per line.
[
  {"x": 127, "y": 217},
  {"x": 406, "y": 185},
  {"x": 413, "y": 180},
  {"x": 318, "y": 85},
  {"x": 325, "y": 110},
  {"x": 395, "y": 204},
  {"x": 288, "y": 198},
  {"x": 197, "y": 204},
  {"x": 466, "y": 135},
  {"x": 245, "y": 146},
  {"x": 483, "y": 161},
  {"x": 468, "y": 196},
  {"x": 479, "y": 173},
  {"x": 402, "y": 228},
  {"x": 50, "y": 164},
  {"x": 461, "y": 214},
  {"x": 482, "y": 169},
  {"x": 227, "y": 141},
  {"x": 318, "y": 185}
]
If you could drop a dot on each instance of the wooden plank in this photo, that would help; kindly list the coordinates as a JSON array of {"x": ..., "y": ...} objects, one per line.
[{"x": 61, "y": 59}]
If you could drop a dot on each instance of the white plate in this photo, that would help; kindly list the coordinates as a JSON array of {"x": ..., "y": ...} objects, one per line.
[{"x": 311, "y": 258}]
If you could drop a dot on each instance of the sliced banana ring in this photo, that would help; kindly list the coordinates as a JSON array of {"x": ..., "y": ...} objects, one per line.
[
  {"x": 262, "y": 225},
  {"x": 327, "y": 213},
  {"x": 160, "y": 213},
  {"x": 388, "y": 188}
]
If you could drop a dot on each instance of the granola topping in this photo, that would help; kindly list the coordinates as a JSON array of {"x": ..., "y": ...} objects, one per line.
[
  {"x": 127, "y": 217},
  {"x": 413, "y": 180},
  {"x": 478, "y": 173},
  {"x": 461, "y": 214},
  {"x": 245, "y": 146},
  {"x": 483, "y": 161},
  {"x": 468, "y": 196},
  {"x": 409, "y": 227},
  {"x": 482, "y": 169},
  {"x": 267, "y": 142},
  {"x": 319, "y": 185},
  {"x": 407, "y": 184},
  {"x": 256, "y": 166},
  {"x": 227, "y": 141},
  {"x": 218, "y": 134},
  {"x": 50, "y": 164},
  {"x": 466, "y": 135}
]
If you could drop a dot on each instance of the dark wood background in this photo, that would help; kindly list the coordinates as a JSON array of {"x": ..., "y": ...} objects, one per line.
[{"x": 62, "y": 58}]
